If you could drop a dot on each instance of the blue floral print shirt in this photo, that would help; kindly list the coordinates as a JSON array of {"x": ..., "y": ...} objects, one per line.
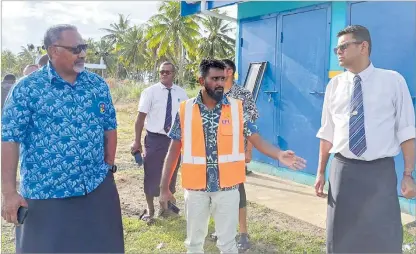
[{"x": 60, "y": 128}]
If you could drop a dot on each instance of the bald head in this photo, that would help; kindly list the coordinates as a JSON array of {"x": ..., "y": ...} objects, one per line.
[
  {"x": 43, "y": 60},
  {"x": 30, "y": 68}
]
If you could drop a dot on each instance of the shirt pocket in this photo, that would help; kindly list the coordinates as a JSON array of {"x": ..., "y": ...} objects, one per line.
[
  {"x": 226, "y": 127},
  {"x": 98, "y": 109},
  {"x": 380, "y": 105}
]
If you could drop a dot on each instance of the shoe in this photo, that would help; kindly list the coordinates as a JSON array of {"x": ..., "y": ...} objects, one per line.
[{"x": 243, "y": 243}]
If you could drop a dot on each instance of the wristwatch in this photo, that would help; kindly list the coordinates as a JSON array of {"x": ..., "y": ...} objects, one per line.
[{"x": 113, "y": 168}]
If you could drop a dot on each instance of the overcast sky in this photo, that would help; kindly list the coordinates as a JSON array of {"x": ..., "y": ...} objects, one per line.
[{"x": 25, "y": 22}]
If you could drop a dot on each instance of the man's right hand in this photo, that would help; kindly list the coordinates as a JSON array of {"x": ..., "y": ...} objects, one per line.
[
  {"x": 165, "y": 196},
  {"x": 136, "y": 146},
  {"x": 10, "y": 204},
  {"x": 319, "y": 185},
  {"x": 248, "y": 156}
]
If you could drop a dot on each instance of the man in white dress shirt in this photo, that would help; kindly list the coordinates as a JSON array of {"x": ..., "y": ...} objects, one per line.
[
  {"x": 157, "y": 107},
  {"x": 367, "y": 118}
]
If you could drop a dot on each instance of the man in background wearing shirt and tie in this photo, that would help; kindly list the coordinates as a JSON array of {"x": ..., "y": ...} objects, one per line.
[
  {"x": 367, "y": 118},
  {"x": 158, "y": 105}
]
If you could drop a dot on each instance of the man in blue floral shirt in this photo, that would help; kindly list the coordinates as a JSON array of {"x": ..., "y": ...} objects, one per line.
[{"x": 63, "y": 120}]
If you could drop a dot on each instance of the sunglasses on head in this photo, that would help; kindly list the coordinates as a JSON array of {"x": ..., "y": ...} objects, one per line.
[
  {"x": 345, "y": 45},
  {"x": 74, "y": 50},
  {"x": 163, "y": 72}
]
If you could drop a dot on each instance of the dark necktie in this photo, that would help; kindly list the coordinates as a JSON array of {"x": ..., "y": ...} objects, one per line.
[
  {"x": 357, "y": 142},
  {"x": 168, "y": 116}
]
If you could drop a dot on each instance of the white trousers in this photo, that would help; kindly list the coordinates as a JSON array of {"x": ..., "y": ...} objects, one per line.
[{"x": 224, "y": 208}]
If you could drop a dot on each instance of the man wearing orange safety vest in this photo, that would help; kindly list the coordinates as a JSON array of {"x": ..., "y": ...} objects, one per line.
[{"x": 209, "y": 131}]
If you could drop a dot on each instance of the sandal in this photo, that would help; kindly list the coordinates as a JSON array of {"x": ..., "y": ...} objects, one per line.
[{"x": 147, "y": 218}]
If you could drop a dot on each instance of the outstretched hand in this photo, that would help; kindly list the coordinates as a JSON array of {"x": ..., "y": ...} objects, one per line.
[{"x": 289, "y": 159}]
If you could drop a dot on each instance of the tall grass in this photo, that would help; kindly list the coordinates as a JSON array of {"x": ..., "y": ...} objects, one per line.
[
  {"x": 125, "y": 91},
  {"x": 128, "y": 91}
]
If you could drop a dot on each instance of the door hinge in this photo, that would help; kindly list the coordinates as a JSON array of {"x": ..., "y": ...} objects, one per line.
[
  {"x": 281, "y": 37},
  {"x": 241, "y": 42}
]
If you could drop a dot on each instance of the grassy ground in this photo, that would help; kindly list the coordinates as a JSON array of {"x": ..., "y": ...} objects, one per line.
[{"x": 270, "y": 231}]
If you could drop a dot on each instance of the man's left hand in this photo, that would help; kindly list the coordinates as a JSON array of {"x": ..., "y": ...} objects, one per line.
[
  {"x": 408, "y": 187},
  {"x": 289, "y": 159}
]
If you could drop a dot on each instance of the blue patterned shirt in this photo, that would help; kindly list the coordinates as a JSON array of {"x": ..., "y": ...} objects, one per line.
[
  {"x": 210, "y": 120},
  {"x": 60, "y": 128}
]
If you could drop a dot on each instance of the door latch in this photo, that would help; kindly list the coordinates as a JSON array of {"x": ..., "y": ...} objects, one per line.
[
  {"x": 270, "y": 94},
  {"x": 316, "y": 93}
]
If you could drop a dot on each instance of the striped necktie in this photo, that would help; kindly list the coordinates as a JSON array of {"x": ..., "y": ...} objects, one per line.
[
  {"x": 357, "y": 142},
  {"x": 168, "y": 115}
]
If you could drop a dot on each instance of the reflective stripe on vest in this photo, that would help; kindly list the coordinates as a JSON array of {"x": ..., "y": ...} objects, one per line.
[{"x": 187, "y": 144}]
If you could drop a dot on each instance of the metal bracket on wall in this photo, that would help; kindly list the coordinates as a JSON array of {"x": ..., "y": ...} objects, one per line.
[
  {"x": 270, "y": 94},
  {"x": 316, "y": 93}
]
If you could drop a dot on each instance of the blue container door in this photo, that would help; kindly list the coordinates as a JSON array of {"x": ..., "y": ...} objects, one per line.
[
  {"x": 258, "y": 39},
  {"x": 303, "y": 59},
  {"x": 393, "y": 36}
]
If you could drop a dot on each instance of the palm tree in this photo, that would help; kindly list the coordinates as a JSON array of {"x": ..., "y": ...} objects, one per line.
[
  {"x": 105, "y": 49},
  {"x": 115, "y": 35},
  {"x": 8, "y": 62},
  {"x": 117, "y": 30},
  {"x": 133, "y": 51},
  {"x": 91, "y": 56},
  {"x": 172, "y": 34},
  {"x": 216, "y": 43},
  {"x": 28, "y": 54},
  {"x": 101, "y": 49}
]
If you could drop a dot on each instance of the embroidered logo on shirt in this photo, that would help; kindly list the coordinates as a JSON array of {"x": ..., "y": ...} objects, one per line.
[
  {"x": 225, "y": 121},
  {"x": 102, "y": 108}
]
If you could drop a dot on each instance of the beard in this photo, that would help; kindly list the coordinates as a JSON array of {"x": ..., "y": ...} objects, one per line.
[
  {"x": 79, "y": 67},
  {"x": 216, "y": 94}
]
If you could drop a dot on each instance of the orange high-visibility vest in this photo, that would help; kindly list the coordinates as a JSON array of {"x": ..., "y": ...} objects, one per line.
[{"x": 230, "y": 143}]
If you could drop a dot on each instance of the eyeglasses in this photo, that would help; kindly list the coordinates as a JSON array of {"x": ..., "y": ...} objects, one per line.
[
  {"x": 163, "y": 72},
  {"x": 345, "y": 45},
  {"x": 74, "y": 50}
]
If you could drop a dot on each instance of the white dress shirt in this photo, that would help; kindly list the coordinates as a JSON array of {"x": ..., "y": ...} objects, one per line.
[
  {"x": 153, "y": 101},
  {"x": 389, "y": 117}
]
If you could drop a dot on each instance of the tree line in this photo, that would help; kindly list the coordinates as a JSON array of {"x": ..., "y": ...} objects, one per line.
[{"x": 136, "y": 51}]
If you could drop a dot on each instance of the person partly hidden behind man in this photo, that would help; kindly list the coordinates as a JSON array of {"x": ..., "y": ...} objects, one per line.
[
  {"x": 232, "y": 90},
  {"x": 6, "y": 86},
  {"x": 210, "y": 131},
  {"x": 30, "y": 69}
]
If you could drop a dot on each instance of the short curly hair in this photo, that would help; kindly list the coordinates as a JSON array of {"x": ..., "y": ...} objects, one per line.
[{"x": 208, "y": 64}]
